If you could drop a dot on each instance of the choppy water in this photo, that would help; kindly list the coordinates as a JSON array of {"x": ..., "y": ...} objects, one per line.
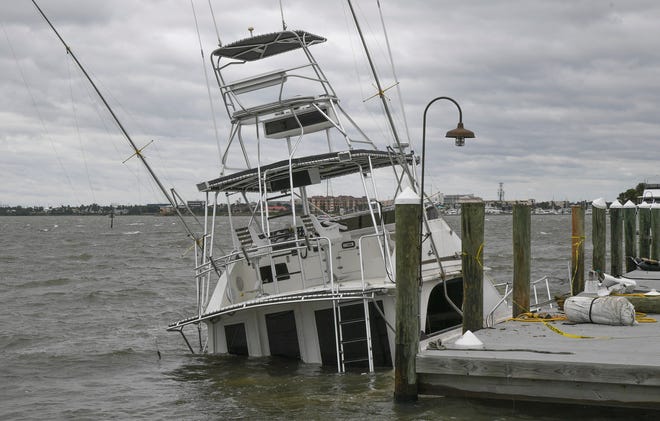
[{"x": 82, "y": 323}]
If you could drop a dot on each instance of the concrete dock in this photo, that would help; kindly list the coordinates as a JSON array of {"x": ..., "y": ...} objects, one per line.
[{"x": 552, "y": 361}]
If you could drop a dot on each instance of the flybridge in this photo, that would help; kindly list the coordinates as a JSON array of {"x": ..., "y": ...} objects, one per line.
[{"x": 279, "y": 108}]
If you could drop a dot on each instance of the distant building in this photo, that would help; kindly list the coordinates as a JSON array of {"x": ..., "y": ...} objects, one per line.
[
  {"x": 339, "y": 204},
  {"x": 452, "y": 200}
]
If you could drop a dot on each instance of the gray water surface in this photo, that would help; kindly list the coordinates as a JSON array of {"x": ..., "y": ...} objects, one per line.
[{"x": 82, "y": 335}]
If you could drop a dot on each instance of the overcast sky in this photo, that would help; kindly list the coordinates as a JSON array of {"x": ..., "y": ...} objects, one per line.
[{"x": 564, "y": 96}]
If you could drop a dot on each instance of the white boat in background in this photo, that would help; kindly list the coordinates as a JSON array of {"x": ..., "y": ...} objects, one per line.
[
  {"x": 300, "y": 284},
  {"x": 492, "y": 210}
]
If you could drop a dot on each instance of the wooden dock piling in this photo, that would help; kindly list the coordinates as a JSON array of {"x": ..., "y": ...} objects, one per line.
[
  {"x": 472, "y": 243},
  {"x": 655, "y": 231},
  {"x": 644, "y": 224},
  {"x": 577, "y": 250},
  {"x": 522, "y": 256},
  {"x": 629, "y": 234},
  {"x": 408, "y": 217},
  {"x": 616, "y": 238},
  {"x": 598, "y": 234}
]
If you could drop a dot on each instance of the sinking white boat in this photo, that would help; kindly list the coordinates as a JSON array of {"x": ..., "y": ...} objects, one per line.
[{"x": 301, "y": 283}]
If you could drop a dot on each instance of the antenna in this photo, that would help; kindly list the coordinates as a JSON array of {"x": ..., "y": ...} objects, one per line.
[
  {"x": 214, "y": 23},
  {"x": 282, "y": 14}
]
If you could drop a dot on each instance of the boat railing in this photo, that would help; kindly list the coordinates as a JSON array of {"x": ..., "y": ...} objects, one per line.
[
  {"x": 320, "y": 245},
  {"x": 508, "y": 291},
  {"x": 235, "y": 98},
  {"x": 385, "y": 255}
]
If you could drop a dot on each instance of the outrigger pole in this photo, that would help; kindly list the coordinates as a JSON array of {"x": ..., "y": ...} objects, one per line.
[
  {"x": 381, "y": 94},
  {"x": 138, "y": 151},
  {"x": 198, "y": 241}
]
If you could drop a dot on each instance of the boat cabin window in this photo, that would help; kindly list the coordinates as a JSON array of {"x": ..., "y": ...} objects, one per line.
[{"x": 281, "y": 271}]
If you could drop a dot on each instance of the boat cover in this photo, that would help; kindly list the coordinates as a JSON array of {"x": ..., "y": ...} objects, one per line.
[
  {"x": 615, "y": 311},
  {"x": 330, "y": 165},
  {"x": 266, "y": 45}
]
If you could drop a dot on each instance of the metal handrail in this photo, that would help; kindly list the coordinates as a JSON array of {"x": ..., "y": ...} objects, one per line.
[{"x": 508, "y": 292}]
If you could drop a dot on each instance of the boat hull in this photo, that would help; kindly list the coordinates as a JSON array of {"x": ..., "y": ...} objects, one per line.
[{"x": 306, "y": 331}]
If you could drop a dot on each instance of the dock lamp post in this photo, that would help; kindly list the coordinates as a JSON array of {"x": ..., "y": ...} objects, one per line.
[{"x": 459, "y": 134}]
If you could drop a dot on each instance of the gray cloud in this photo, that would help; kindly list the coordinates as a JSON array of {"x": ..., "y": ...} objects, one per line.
[{"x": 563, "y": 96}]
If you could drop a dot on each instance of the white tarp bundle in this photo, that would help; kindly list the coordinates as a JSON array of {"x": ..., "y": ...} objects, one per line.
[{"x": 616, "y": 311}]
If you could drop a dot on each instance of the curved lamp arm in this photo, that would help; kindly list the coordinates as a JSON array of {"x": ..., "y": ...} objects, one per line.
[{"x": 459, "y": 133}]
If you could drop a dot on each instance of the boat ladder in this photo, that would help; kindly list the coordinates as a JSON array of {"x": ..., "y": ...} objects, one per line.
[{"x": 350, "y": 335}]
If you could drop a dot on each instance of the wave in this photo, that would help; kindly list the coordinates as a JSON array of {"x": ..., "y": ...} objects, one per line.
[
  {"x": 82, "y": 257},
  {"x": 15, "y": 341},
  {"x": 122, "y": 295},
  {"x": 54, "y": 282},
  {"x": 131, "y": 232}
]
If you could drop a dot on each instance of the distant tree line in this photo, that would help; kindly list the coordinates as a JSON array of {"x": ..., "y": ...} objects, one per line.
[
  {"x": 149, "y": 209},
  {"x": 93, "y": 209},
  {"x": 632, "y": 194}
]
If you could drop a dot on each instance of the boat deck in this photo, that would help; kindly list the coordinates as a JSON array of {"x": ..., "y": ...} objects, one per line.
[{"x": 554, "y": 361}]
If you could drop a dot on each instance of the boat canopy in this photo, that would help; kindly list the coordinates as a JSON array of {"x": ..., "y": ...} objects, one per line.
[
  {"x": 328, "y": 165},
  {"x": 266, "y": 45}
]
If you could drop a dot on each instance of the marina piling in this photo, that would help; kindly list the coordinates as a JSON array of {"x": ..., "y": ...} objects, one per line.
[
  {"x": 655, "y": 231},
  {"x": 629, "y": 234},
  {"x": 472, "y": 234},
  {"x": 598, "y": 235},
  {"x": 644, "y": 224},
  {"x": 407, "y": 216},
  {"x": 616, "y": 237},
  {"x": 522, "y": 256},
  {"x": 577, "y": 250}
]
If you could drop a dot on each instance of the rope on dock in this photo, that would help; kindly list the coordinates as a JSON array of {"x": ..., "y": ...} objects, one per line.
[
  {"x": 571, "y": 335},
  {"x": 539, "y": 317},
  {"x": 643, "y": 318}
]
